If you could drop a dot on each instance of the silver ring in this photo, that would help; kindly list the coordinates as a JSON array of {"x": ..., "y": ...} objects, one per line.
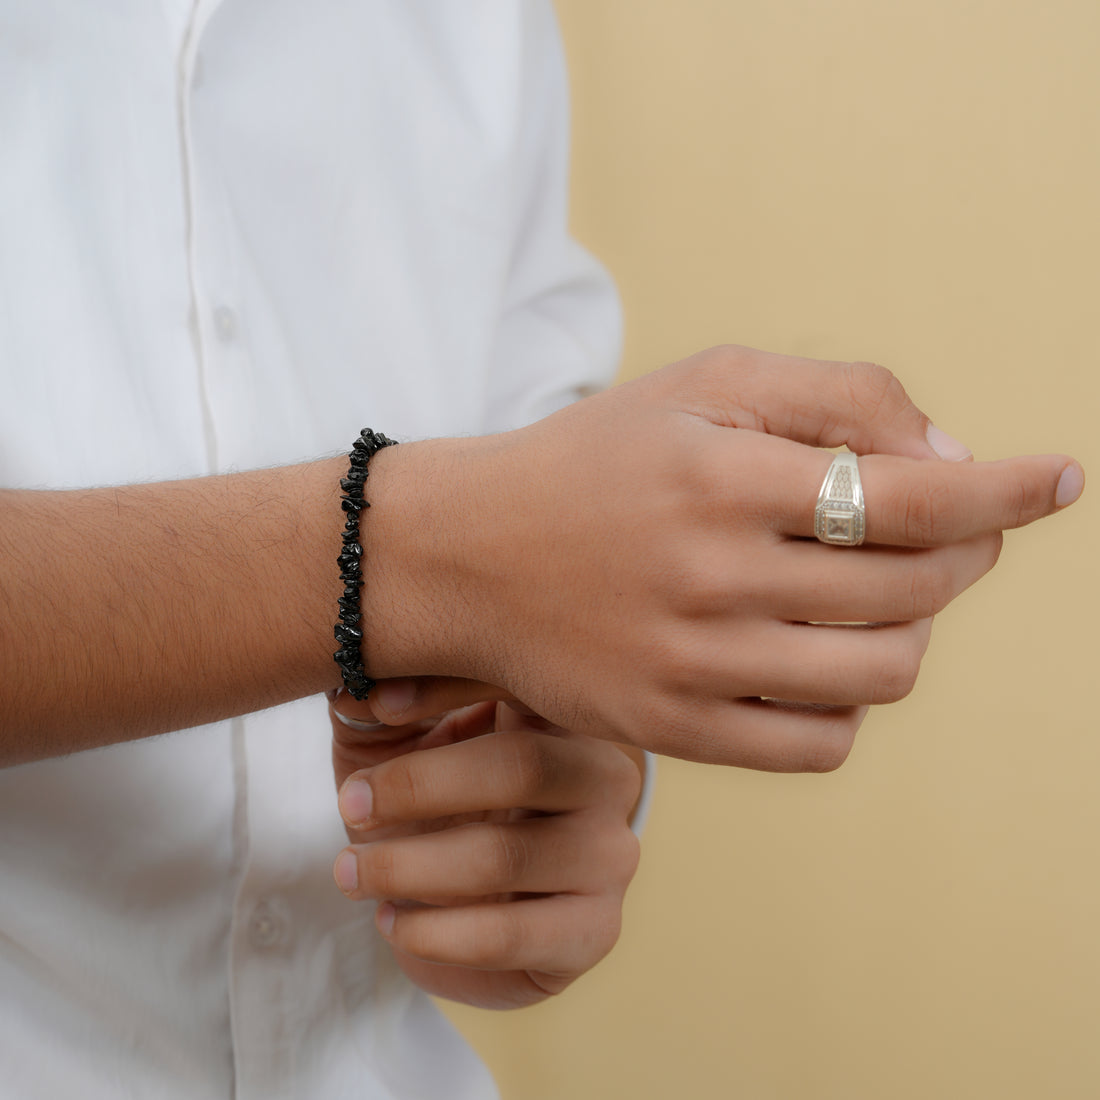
[{"x": 840, "y": 519}]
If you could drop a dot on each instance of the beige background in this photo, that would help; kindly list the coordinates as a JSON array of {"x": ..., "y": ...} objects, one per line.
[{"x": 915, "y": 183}]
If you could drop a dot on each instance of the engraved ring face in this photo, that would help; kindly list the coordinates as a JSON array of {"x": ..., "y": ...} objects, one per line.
[{"x": 840, "y": 518}]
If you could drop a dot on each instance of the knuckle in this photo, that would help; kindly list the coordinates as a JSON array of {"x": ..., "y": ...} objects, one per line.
[
  {"x": 721, "y": 359},
  {"x": 699, "y": 485},
  {"x": 502, "y": 942},
  {"x": 621, "y": 776},
  {"x": 626, "y": 855},
  {"x": 612, "y": 855},
  {"x": 825, "y": 757},
  {"x": 996, "y": 544},
  {"x": 606, "y": 929},
  {"x": 418, "y": 933},
  {"x": 531, "y": 766},
  {"x": 679, "y": 725},
  {"x": 398, "y": 790},
  {"x": 926, "y": 512},
  {"x": 873, "y": 389},
  {"x": 692, "y": 587},
  {"x": 827, "y": 752},
  {"x": 677, "y": 659},
  {"x": 1030, "y": 500},
  {"x": 509, "y": 859},
  {"x": 596, "y": 924},
  {"x": 378, "y": 870},
  {"x": 931, "y": 588},
  {"x": 896, "y": 675}
]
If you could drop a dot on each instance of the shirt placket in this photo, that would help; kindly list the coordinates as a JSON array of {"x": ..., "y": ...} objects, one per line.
[
  {"x": 261, "y": 926},
  {"x": 216, "y": 318}
]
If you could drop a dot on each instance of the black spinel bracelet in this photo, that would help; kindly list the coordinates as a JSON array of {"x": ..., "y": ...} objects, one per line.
[{"x": 347, "y": 630}]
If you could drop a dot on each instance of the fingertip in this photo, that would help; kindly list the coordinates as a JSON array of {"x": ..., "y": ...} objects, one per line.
[
  {"x": 409, "y": 698},
  {"x": 393, "y": 698},
  {"x": 346, "y": 872},
  {"x": 355, "y": 714},
  {"x": 356, "y": 724},
  {"x": 356, "y": 802},
  {"x": 946, "y": 446},
  {"x": 1071, "y": 484}
]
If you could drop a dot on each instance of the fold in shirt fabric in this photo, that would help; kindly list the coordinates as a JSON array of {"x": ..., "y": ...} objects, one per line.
[{"x": 231, "y": 235}]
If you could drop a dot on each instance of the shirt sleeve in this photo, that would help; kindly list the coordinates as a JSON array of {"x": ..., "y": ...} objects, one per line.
[{"x": 559, "y": 336}]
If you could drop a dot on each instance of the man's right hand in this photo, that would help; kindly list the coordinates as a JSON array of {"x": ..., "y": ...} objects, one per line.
[{"x": 640, "y": 566}]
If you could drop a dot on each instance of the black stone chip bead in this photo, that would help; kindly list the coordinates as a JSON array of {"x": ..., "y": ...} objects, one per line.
[
  {"x": 347, "y": 635},
  {"x": 349, "y": 558},
  {"x": 359, "y": 687},
  {"x": 355, "y": 678}
]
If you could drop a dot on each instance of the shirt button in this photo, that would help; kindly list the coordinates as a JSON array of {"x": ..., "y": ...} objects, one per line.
[
  {"x": 269, "y": 925},
  {"x": 225, "y": 323}
]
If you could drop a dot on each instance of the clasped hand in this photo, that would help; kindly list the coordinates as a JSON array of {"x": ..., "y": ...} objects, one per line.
[
  {"x": 498, "y": 848},
  {"x": 636, "y": 568}
]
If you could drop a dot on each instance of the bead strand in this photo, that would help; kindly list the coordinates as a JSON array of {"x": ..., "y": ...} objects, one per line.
[{"x": 348, "y": 630}]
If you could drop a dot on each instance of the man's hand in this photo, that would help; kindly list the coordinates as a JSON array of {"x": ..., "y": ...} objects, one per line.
[
  {"x": 637, "y": 567},
  {"x": 499, "y": 848},
  {"x": 640, "y": 567}
]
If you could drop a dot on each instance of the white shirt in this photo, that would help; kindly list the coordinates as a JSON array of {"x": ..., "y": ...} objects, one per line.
[{"x": 231, "y": 235}]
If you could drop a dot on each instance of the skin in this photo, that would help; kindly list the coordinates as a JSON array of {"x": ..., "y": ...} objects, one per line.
[
  {"x": 455, "y": 899},
  {"x": 673, "y": 516},
  {"x": 499, "y": 848},
  {"x": 636, "y": 568},
  {"x": 131, "y": 611}
]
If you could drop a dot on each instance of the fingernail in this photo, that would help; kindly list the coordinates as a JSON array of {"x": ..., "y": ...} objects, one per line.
[
  {"x": 1070, "y": 485},
  {"x": 356, "y": 802},
  {"x": 947, "y": 446},
  {"x": 346, "y": 872},
  {"x": 384, "y": 918},
  {"x": 395, "y": 696},
  {"x": 355, "y": 724}
]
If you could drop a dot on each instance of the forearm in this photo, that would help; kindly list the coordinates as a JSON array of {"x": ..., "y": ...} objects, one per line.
[{"x": 130, "y": 611}]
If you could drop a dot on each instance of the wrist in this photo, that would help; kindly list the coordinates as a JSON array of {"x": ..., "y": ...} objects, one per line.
[{"x": 419, "y": 562}]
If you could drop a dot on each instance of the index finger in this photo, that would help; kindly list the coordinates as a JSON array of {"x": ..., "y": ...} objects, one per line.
[
  {"x": 913, "y": 503},
  {"x": 497, "y": 771}
]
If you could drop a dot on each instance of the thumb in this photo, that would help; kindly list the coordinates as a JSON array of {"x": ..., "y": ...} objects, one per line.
[
  {"x": 409, "y": 699},
  {"x": 858, "y": 405}
]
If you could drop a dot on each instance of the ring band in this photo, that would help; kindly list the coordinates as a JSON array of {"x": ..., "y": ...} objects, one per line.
[{"x": 840, "y": 519}]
